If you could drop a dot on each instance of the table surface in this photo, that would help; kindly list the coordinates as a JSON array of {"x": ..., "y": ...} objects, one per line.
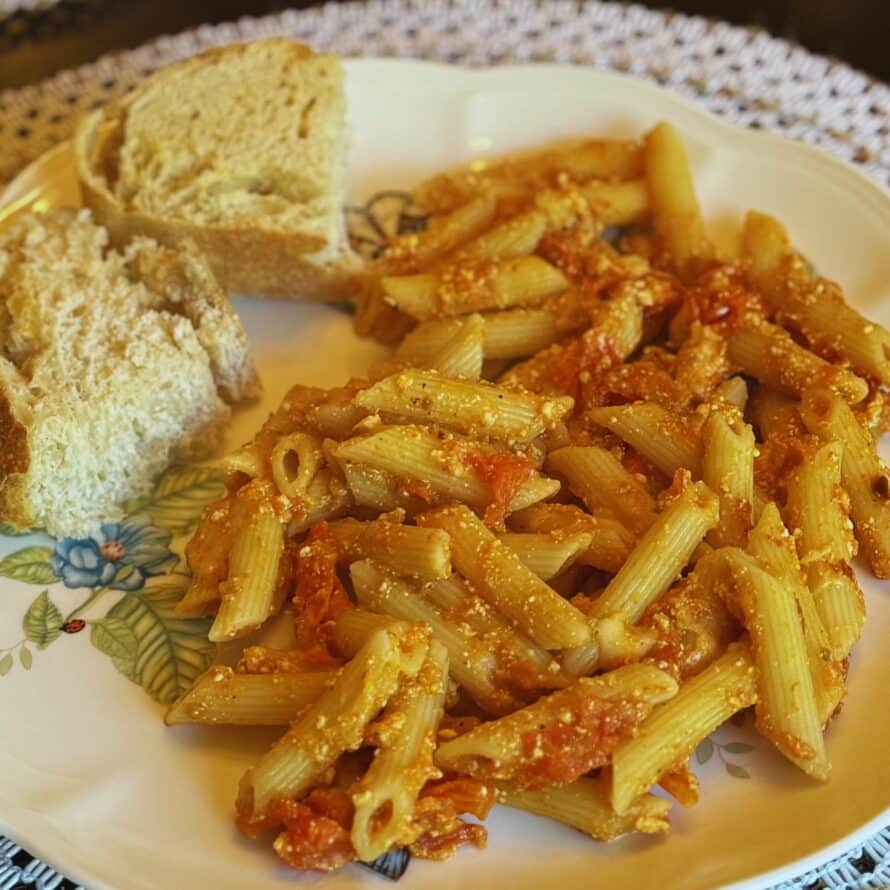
[{"x": 65, "y": 33}]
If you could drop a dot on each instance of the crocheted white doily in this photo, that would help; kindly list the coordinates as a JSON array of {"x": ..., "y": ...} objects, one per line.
[{"x": 741, "y": 73}]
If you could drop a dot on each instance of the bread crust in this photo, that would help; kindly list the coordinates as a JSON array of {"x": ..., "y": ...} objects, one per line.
[
  {"x": 246, "y": 259},
  {"x": 15, "y": 461}
]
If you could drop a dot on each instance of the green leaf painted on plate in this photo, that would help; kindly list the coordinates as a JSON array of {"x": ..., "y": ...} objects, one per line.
[
  {"x": 25, "y": 658},
  {"x": 31, "y": 565},
  {"x": 180, "y": 496},
  {"x": 705, "y": 751},
  {"x": 738, "y": 772},
  {"x": 116, "y": 639},
  {"x": 5, "y": 664},
  {"x": 738, "y": 748},
  {"x": 9, "y": 532},
  {"x": 43, "y": 621},
  {"x": 150, "y": 645}
]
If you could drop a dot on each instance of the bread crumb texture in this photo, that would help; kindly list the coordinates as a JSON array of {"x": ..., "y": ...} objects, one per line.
[{"x": 112, "y": 364}]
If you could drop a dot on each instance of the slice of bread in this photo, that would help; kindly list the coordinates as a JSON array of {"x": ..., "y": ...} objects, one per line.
[
  {"x": 242, "y": 149},
  {"x": 112, "y": 363}
]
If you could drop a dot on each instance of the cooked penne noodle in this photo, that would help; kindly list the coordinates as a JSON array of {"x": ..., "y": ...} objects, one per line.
[
  {"x": 353, "y": 627},
  {"x": 220, "y": 696},
  {"x": 326, "y": 498},
  {"x": 247, "y": 596},
  {"x": 727, "y": 468},
  {"x": 584, "y": 804},
  {"x": 462, "y": 355},
  {"x": 521, "y": 176},
  {"x": 615, "y": 332},
  {"x": 679, "y": 228},
  {"x": 661, "y": 436},
  {"x": 499, "y": 750},
  {"x": 514, "y": 237},
  {"x": 610, "y": 542},
  {"x": 618, "y": 203},
  {"x": 405, "y": 549},
  {"x": 294, "y": 461},
  {"x": 766, "y": 352},
  {"x": 771, "y": 545},
  {"x": 672, "y": 731},
  {"x": 787, "y": 709},
  {"x": 385, "y": 797},
  {"x": 440, "y": 467},
  {"x": 818, "y": 510},
  {"x": 513, "y": 333},
  {"x": 661, "y": 555},
  {"x": 701, "y": 363},
  {"x": 333, "y": 724},
  {"x": 863, "y": 473},
  {"x": 471, "y": 662},
  {"x": 733, "y": 391},
  {"x": 547, "y": 555},
  {"x": 498, "y": 576},
  {"x": 200, "y": 600},
  {"x": 486, "y": 284},
  {"x": 816, "y": 307},
  {"x": 519, "y": 333},
  {"x": 515, "y": 650},
  {"x": 598, "y": 478},
  {"x": 774, "y": 414},
  {"x": 449, "y": 231},
  {"x": 465, "y": 406}
]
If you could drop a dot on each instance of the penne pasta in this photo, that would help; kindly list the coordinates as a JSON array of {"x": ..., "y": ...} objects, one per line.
[
  {"x": 584, "y": 804},
  {"x": 465, "y": 406},
  {"x": 787, "y": 709},
  {"x": 385, "y": 797},
  {"x": 673, "y": 730},
  {"x": 679, "y": 228},
  {"x": 462, "y": 355},
  {"x": 727, "y": 468},
  {"x": 405, "y": 549},
  {"x": 658, "y": 434},
  {"x": 471, "y": 663},
  {"x": 815, "y": 307},
  {"x": 517, "y": 655},
  {"x": 574, "y": 729},
  {"x": 863, "y": 473},
  {"x": 772, "y": 546},
  {"x": 610, "y": 542},
  {"x": 443, "y": 469},
  {"x": 499, "y": 577},
  {"x": 547, "y": 555},
  {"x": 766, "y": 352},
  {"x": 598, "y": 478},
  {"x": 220, "y": 696},
  {"x": 335, "y": 723},
  {"x": 817, "y": 509},
  {"x": 486, "y": 284},
  {"x": 247, "y": 596}
]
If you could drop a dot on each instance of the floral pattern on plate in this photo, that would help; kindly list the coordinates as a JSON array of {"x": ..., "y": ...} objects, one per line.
[{"x": 133, "y": 569}]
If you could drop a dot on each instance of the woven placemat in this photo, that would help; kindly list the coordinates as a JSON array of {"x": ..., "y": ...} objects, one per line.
[{"x": 743, "y": 74}]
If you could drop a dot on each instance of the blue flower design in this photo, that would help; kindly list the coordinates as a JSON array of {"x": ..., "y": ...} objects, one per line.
[{"x": 122, "y": 556}]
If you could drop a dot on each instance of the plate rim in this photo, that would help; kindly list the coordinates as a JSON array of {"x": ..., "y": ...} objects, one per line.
[{"x": 866, "y": 188}]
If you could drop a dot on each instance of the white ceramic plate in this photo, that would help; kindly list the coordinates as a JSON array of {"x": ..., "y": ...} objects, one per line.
[{"x": 94, "y": 783}]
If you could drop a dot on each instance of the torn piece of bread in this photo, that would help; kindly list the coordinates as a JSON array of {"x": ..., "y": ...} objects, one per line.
[
  {"x": 242, "y": 149},
  {"x": 112, "y": 363}
]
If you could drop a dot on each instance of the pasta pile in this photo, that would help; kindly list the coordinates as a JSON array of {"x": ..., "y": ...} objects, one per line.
[{"x": 598, "y": 502}]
